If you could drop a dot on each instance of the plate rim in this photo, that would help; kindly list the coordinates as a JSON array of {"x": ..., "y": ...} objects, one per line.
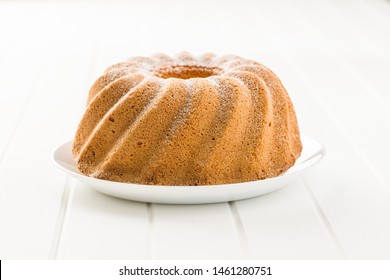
[{"x": 318, "y": 157}]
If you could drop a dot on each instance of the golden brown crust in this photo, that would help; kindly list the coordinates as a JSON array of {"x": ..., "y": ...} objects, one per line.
[{"x": 184, "y": 120}]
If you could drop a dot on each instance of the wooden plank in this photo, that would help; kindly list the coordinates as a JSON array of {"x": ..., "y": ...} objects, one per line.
[
  {"x": 341, "y": 193},
  {"x": 285, "y": 225},
  {"x": 102, "y": 227},
  {"x": 31, "y": 186},
  {"x": 346, "y": 181},
  {"x": 321, "y": 89},
  {"x": 14, "y": 100},
  {"x": 194, "y": 232}
]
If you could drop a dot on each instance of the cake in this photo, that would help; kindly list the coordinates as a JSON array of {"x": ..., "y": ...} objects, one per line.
[{"x": 187, "y": 121}]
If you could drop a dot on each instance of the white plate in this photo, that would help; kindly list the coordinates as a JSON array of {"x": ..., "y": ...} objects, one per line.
[{"x": 312, "y": 153}]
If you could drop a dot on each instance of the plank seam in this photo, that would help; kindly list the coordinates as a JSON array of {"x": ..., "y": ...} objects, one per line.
[
  {"x": 63, "y": 215},
  {"x": 152, "y": 240},
  {"x": 240, "y": 230},
  {"x": 324, "y": 219}
]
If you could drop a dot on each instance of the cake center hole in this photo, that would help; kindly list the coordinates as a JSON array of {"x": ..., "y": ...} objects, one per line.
[{"x": 187, "y": 71}]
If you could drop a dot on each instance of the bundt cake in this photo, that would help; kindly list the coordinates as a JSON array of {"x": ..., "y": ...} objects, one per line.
[{"x": 187, "y": 120}]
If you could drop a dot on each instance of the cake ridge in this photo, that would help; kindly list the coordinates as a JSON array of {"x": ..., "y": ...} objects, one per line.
[
  {"x": 215, "y": 130},
  {"x": 113, "y": 73},
  {"x": 94, "y": 113},
  {"x": 178, "y": 121},
  {"x": 280, "y": 139},
  {"x": 103, "y": 94},
  {"x": 220, "y": 157},
  {"x": 135, "y": 121},
  {"x": 184, "y": 145},
  {"x": 109, "y": 120},
  {"x": 258, "y": 136},
  {"x": 147, "y": 116}
]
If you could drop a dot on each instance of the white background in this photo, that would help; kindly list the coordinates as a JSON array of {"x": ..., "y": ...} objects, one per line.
[{"x": 332, "y": 56}]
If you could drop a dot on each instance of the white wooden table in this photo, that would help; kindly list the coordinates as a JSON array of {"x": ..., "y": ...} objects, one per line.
[{"x": 334, "y": 59}]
